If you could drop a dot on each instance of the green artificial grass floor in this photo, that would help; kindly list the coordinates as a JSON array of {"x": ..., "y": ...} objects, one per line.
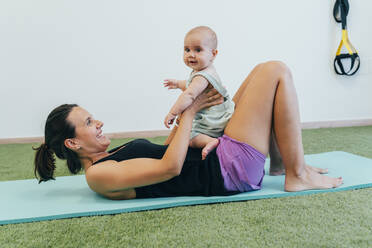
[{"x": 341, "y": 219}]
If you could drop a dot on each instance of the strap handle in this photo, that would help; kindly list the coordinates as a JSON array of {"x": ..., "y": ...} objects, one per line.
[
  {"x": 339, "y": 67},
  {"x": 340, "y": 12}
]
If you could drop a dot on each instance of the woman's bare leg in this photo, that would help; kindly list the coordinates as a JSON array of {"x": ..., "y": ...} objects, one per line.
[
  {"x": 269, "y": 91},
  {"x": 276, "y": 163},
  {"x": 242, "y": 87}
]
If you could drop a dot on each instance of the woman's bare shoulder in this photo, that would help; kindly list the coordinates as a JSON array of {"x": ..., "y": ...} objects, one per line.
[{"x": 100, "y": 179}]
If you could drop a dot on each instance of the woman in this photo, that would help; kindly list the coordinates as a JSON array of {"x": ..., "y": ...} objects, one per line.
[{"x": 266, "y": 100}]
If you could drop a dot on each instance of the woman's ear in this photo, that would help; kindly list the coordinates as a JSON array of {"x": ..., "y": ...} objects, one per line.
[{"x": 72, "y": 144}]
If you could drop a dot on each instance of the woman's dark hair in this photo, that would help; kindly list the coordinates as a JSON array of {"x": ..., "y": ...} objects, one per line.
[{"x": 57, "y": 129}]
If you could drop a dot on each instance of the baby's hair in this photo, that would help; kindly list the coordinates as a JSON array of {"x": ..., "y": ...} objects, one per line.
[{"x": 211, "y": 34}]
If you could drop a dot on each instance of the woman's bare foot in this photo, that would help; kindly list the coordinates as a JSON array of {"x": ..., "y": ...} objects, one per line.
[
  {"x": 319, "y": 170},
  {"x": 310, "y": 179},
  {"x": 209, "y": 147},
  {"x": 277, "y": 169}
]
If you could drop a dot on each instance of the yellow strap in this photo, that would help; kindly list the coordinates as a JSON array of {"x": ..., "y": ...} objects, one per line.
[{"x": 346, "y": 42}]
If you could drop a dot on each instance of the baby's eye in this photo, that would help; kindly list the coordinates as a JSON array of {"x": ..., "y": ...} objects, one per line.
[
  {"x": 187, "y": 50},
  {"x": 198, "y": 50}
]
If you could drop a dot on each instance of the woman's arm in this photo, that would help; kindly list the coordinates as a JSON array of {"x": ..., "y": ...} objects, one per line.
[
  {"x": 117, "y": 179},
  {"x": 173, "y": 132},
  {"x": 110, "y": 176},
  {"x": 170, "y": 136}
]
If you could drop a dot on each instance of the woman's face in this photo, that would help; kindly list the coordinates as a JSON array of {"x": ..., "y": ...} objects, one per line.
[{"x": 89, "y": 137}]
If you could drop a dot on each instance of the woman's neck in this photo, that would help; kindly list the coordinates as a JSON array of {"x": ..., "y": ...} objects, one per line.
[{"x": 88, "y": 161}]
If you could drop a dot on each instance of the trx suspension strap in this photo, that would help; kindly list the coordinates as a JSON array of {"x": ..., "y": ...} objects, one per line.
[{"x": 340, "y": 11}]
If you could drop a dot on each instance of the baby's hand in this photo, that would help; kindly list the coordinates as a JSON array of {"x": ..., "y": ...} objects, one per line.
[
  {"x": 169, "y": 119},
  {"x": 171, "y": 83}
]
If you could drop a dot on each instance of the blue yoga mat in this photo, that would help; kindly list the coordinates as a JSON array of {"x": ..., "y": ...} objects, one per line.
[{"x": 67, "y": 197}]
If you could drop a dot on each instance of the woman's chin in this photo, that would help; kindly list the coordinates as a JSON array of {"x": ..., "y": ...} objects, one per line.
[{"x": 103, "y": 140}]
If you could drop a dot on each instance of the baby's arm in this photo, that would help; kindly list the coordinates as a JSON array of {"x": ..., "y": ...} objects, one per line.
[
  {"x": 196, "y": 87},
  {"x": 175, "y": 84}
]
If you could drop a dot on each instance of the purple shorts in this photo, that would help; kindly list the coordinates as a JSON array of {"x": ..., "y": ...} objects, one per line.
[{"x": 242, "y": 166}]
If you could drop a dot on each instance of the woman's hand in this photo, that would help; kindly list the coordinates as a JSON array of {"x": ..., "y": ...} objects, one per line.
[{"x": 208, "y": 98}]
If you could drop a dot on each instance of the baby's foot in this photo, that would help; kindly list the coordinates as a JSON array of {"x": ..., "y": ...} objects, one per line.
[{"x": 209, "y": 147}]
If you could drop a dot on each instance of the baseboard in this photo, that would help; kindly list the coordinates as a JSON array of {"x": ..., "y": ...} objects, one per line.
[
  {"x": 118, "y": 135},
  {"x": 155, "y": 133},
  {"x": 138, "y": 134},
  {"x": 340, "y": 123}
]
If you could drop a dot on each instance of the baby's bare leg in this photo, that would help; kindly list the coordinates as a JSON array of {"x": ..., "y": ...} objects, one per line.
[
  {"x": 200, "y": 140},
  {"x": 204, "y": 141}
]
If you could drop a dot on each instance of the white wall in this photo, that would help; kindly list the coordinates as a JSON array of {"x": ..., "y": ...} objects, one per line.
[{"x": 111, "y": 56}]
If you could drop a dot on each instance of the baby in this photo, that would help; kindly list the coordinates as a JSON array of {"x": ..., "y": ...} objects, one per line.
[{"x": 200, "y": 50}]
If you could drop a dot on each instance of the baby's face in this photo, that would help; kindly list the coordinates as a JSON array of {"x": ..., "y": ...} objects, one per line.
[{"x": 198, "y": 52}]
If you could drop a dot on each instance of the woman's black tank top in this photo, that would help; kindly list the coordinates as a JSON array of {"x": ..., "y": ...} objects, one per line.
[{"x": 198, "y": 177}]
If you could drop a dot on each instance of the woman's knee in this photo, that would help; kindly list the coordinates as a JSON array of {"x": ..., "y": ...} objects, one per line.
[
  {"x": 258, "y": 66},
  {"x": 278, "y": 67}
]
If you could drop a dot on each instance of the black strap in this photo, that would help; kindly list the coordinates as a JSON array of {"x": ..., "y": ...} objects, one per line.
[
  {"x": 340, "y": 11},
  {"x": 339, "y": 68}
]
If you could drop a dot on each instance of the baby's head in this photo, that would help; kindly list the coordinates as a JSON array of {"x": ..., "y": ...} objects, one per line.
[{"x": 200, "y": 48}]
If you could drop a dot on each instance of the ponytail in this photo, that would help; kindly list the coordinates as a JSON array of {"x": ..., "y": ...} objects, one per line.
[
  {"x": 45, "y": 163},
  {"x": 57, "y": 130}
]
